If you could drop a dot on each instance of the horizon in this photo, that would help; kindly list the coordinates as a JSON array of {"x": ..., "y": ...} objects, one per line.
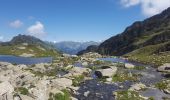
[{"x": 77, "y": 20}]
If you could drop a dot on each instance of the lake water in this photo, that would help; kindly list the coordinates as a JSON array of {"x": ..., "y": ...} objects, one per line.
[{"x": 24, "y": 60}]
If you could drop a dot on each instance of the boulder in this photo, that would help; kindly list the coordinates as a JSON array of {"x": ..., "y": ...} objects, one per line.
[
  {"x": 109, "y": 72},
  {"x": 129, "y": 66},
  {"x": 85, "y": 63},
  {"x": 164, "y": 68}
]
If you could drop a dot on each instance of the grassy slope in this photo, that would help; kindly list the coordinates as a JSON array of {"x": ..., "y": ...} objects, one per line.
[
  {"x": 146, "y": 55},
  {"x": 30, "y": 49}
]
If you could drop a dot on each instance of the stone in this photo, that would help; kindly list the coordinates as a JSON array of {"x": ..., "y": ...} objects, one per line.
[
  {"x": 98, "y": 74},
  {"x": 109, "y": 72},
  {"x": 137, "y": 87},
  {"x": 85, "y": 63},
  {"x": 164, "y": 68},
  {"x": 129, "y": 66},
  {"x": 86, "y": 93},
  {"x": 25, "y": 97},
  {"x": 63, "y": 82},
  {"x": 78, "y": 71},
  {"x": 108, "y": 79}
]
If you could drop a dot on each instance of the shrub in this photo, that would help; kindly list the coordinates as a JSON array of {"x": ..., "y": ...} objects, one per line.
[
  {"x": 22, "y": 90},
  {"x": 60, "y": 96},
  {"x": 77, "y": 80}
]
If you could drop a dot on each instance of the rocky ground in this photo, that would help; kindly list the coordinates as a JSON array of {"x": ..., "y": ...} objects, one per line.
[{"x": 72, "y": 77}]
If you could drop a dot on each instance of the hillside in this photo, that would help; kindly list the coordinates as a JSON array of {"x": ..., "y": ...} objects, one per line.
[
  {"x": 147, "y": 41},
  {"x": 27, "y": 46},
  {"x": 71, "y": 47}
]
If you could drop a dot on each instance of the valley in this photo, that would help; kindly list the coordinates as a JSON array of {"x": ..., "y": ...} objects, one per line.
[{"x": 132, "y": 65}]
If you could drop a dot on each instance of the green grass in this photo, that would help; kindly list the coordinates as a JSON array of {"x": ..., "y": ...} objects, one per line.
[
  {"x": 124, "y": 76},
  {"x": 146, "y": 55},
  {"x": 128, "y": 95},
  {"x": 162, "y": 85},
  {"x": 22, "y": 90},
  {"x": 139, "y": 67},
  {"x": 77, "y": 80},
  {"x": 30, "y": 49},
  {"x": 59, "y": 96}
]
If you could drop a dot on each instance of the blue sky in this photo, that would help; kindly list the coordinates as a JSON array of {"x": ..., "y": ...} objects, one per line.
[{"x": 73, "y": 20}]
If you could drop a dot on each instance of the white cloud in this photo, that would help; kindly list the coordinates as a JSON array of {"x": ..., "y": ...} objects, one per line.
[
  {"x": 16, "y": 24},
  {"x": 149, "y": 7},
  {"x": 37, "y": 29}
]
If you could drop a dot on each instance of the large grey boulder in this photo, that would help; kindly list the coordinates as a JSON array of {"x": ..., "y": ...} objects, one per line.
[{"x": 108, "y": 71}]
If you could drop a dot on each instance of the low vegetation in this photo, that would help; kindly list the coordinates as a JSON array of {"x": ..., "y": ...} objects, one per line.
[
  {"x": 148, "y": 55},
  {"x": 77, "y": 80},
  {"x": 128, "y": 95},
  {"x": 30, "y": 49},
  {"x": 162, "y": 85},
  {"x": 139, "y": 67},
  {"x": 124, "y": 76},
  {"x": 22, "y": 90},
  {"x": 65, "y": 95}
]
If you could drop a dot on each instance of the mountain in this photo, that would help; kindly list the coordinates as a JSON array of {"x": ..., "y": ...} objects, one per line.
[
  {"x": 91, "y": 48},
  {"x": 29, "y": 46},
  {"x": 146, "y": 41},
  {"x": 71, "y": 47}
]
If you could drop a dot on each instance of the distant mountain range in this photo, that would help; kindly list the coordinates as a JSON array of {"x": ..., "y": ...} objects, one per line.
[
  {"x": 143, "y": 40},
  {"x": 71, "y": 47}
]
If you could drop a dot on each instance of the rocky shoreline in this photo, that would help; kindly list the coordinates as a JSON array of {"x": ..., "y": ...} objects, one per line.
[{"x": 94, "y": 80}]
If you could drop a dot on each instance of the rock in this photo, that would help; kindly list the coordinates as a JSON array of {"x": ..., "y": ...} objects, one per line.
[
  {"x": 85, "y": 63},
  {"x": 22, "y": 66},
  {"x": 137, "y": 87},
  {"x": 109, "y": 72},
  {"x": 164, "y": 68},
  {"x": 73, "y": 98},
  {"x": 86, "y": 93},
  {"x": 6, "y": 90},
  {"x": 98, "y": 74},
  {"x": 129, "y": 66},
  {"x": 69, "y": 67},
  {"x": 108, "y": 79},
  {"x": 25, "y": 97},
  {"x": 21, "y": 48},
  {"x": 63, "y": 82},
  {"x": 27, "y": 55},
  {"x": 17, "y": 97},
  {"x": 167, "y": 90},
  {"x": 78, "y": 71}
]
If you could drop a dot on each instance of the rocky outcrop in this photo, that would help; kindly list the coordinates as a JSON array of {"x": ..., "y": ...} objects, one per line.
[{"x": 6, "y": 90}]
